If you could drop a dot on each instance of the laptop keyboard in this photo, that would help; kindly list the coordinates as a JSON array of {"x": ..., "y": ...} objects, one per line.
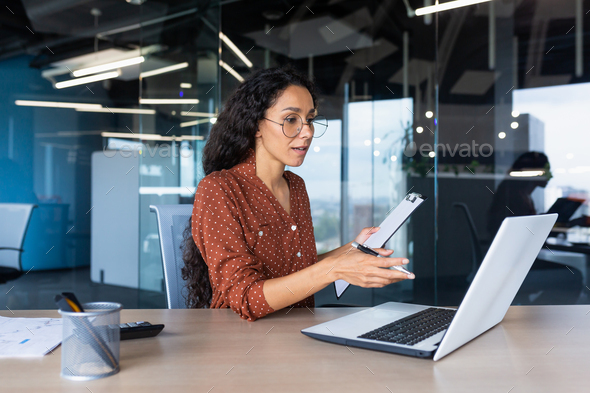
[{"x": 413, "y": 328}]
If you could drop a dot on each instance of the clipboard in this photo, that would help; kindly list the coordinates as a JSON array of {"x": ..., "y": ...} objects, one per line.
[{"x": 387, "y": 229}]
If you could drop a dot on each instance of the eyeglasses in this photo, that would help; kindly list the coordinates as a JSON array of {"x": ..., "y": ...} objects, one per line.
[{"x": 293, "y": 124}]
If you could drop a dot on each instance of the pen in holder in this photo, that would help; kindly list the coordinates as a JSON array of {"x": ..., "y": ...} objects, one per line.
[{"x": 91, "y": 340}]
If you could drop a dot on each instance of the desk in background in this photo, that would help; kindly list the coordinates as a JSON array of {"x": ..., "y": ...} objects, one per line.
[
  {"x": 535, "y": 348},
  {"x": 579, "y": 248},
  {"x": 569, "y": 254}
]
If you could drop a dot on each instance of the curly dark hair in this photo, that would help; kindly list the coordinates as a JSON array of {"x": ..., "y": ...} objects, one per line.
[{"x": 229, "y": 141}]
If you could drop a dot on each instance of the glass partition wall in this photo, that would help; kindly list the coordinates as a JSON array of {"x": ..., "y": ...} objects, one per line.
[
  {"x": 105, "y": 107},
  {"x": 512, "y": 81},
  {"x": 478, "y": 108},
  {"x": 469, "y": 107},
  {"x": 181, "y": 86}
]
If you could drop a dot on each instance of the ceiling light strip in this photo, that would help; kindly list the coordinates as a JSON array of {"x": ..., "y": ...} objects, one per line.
[
  {"x": 231, "y": 70},
  {"x": 87, "y": 79},
  {"x": 168, "y": 101},
  {"x": 164, "y": 70},
  {"x": 152, "y": 137},
  {"x": 529, "y": 173},
  {"x": 108, "y": 66},
  {"x": 134, "y": 111},
  {"x": 55, "y": 104},
  {"x": 198, "y": 114},
  {"x": 194, "y": 122},
  {"x": 447, "y": 6},
  {"x": 235, "y": 49}
]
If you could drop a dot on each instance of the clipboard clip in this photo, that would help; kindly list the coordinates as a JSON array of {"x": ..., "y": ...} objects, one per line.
[{"x": 412, "y": 197}]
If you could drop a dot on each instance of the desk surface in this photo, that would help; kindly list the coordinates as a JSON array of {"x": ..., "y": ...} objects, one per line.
[
  {"x": 577, "y": 248},
  {"x": 535, "y": 348}
]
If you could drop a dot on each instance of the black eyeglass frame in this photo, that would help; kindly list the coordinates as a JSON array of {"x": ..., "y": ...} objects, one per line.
[{"x": 302, "y": 124}]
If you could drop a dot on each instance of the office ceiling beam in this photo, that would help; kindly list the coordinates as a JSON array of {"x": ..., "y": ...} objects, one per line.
[
  {"x": 579, "y": 39},
  {"x": 492, "y": 36}
]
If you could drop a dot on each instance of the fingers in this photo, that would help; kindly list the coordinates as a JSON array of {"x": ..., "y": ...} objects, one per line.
[
  {"x": 369, "y": 230},
  {"x": 385, "y": 268},
  {"x": 366, "y": 233},
  {"x": 384, "y": 277},
  {"x": 383, "y": 251},
  {"x": 393, "y": 274},
  {"x": 369, "y": 271},
  {"x": 376, "y": 261},
  {"x": 388, "y": 262},
  {"x": 410, "y": 276}
]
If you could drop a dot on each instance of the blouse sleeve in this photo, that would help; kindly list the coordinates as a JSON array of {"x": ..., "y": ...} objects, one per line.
[{"x": 234, "y": 271}]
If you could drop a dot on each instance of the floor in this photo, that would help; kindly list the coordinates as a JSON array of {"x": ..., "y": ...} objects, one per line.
[{"x": 36, "y": 290}]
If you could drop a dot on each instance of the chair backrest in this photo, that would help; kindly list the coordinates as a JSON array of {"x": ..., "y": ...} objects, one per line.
[
  {"x": 172, "y": 220},
  {"x": 14, "y": 221}
]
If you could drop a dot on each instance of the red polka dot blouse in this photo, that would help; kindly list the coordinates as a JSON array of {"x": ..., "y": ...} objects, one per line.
[{"x": 246, "y": 236}]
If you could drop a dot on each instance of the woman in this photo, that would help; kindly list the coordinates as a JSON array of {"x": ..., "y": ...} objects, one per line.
[
  {"x": 251, "y": 245},
  {"x": 513, "y": 196}
]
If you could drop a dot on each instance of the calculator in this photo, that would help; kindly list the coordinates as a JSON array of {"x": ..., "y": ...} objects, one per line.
[{"x": 141, "y": 329}]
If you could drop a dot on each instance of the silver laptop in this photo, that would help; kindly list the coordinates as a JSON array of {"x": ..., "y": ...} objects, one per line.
[{"x": 434, "y": 332}]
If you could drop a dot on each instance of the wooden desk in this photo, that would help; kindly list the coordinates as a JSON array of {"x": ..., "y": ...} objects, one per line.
[{"x": 535, "y": 349}]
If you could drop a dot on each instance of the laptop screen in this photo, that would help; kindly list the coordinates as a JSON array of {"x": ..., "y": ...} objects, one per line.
[{"x": 565, "y": 208}]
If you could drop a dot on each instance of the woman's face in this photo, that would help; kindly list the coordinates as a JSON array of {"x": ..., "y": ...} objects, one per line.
[{"x": 270, "y": 137}]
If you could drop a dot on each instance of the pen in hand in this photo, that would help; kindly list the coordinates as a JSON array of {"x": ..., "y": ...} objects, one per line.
[{"x": 370, "y": 251}]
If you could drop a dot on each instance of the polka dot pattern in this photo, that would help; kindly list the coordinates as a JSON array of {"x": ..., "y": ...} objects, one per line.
[{"x": 246, "y": 236}]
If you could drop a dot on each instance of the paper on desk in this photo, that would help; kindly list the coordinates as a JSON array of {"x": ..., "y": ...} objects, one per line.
[{"x": 26, "y": 337}]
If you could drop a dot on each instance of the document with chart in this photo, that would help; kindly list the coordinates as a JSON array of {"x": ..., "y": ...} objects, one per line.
[{"x": 26, "y": 337}]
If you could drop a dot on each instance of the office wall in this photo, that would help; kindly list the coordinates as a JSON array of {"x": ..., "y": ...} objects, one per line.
[{"x": 411, "y": 102}]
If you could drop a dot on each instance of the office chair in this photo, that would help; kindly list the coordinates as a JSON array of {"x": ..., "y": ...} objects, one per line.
[
  {"x": 476, "y": 252},
  {"x": 172, "y": 220},
  {"x": 15, "y": 219}
]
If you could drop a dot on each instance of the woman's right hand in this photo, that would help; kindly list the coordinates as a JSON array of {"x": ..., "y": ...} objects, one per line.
[{"x": 358, "y": 268}]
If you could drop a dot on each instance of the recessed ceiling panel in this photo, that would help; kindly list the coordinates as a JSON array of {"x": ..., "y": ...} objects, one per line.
[
  {"x": 84, "y": 17},
  {"x": 475, "y": 82},
  {"x": 369, "y": 56},
  {"x": 418, "y": 71},
  {"x": 312, "y": 37}
]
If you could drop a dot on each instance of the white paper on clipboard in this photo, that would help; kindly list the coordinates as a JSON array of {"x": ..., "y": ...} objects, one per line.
[{"x": 387, "y": 228}]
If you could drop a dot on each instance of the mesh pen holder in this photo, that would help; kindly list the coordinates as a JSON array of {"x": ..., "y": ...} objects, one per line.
[{"x": 91, "y": 341}]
